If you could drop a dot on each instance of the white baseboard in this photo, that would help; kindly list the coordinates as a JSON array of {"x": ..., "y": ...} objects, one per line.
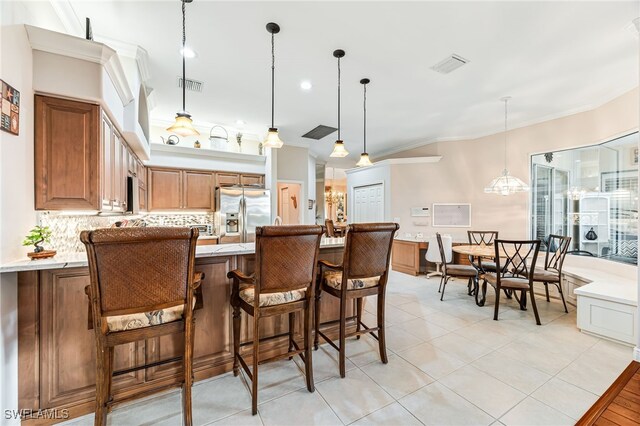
[{"x": 636, "y": 353}]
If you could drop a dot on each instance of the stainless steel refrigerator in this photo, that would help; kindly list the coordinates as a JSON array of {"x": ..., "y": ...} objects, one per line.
[{"x": 241, "y": 210}]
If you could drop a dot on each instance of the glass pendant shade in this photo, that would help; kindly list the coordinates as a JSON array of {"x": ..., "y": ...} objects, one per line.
[
  {"x": 183, "y": 125},
  {"x": 506, "y": 184},
  {"x": 273, "y": 140},
  {"x": 364, "y": 160},
  {"x": 339, "y": 150}
]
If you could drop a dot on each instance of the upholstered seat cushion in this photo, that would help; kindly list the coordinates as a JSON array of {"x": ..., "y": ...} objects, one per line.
[
  {"x": 272, "y": 299},
  {"x": 334, "y": 279},
  {"x": 507, "y": 282},
  {"x": 461, "y": 271},
  {"x": 544, "y": 275},
  {"x": 489, "y": 266},
  {"x": 144, "y": 319}
]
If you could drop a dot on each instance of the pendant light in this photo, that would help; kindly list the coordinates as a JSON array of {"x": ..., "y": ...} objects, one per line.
[
  {"x": 183, "y": 125},
  {"x": 273, "y": 140},
  {"x": 506, "y": 184},
  {"x": 364, "y": 157},
  {"x": 338, "y": 148}
]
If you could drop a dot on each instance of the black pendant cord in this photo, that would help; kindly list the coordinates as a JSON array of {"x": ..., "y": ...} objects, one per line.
[
  {"x": 339, "y": 99},
  {"x": 273, "y": 78},
  {"x": 184, "y": 66},
  {"x": 365, "y": 119}
]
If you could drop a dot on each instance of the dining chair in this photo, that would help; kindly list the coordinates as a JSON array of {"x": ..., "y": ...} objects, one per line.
[
  {"x": 515, "y": 263},
  {"x": 557, "y": 247},
  {"x": 330, "y": 228},
  {"x": 283, "y": 283},
  {"x": 453, "y": 271},
  {"x": 142, "y": 285},
  {"x": 364, "y": 271},
  {"x": 483, "y": 238}
]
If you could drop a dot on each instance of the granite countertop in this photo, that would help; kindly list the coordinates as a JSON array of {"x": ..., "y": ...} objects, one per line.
[{"x": 76, "y": 260}]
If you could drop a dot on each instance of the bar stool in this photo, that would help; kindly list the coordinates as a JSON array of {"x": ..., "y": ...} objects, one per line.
[
  {"x": 283, "y": 281},
  {"x": 330, "y": 228},
  {"x": 364, "y": 272},
  {"x": 143, "y": 285}
]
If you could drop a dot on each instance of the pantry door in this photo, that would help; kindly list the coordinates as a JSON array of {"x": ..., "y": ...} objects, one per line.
[{"x": 368, "y": 203}]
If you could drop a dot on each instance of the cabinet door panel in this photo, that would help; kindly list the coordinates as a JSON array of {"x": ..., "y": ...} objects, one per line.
[
  {"x": 142, "y": 175},
  {"x": 198, "y": 190},
  {"x": 107, "y": 164},
  {"x": 164, "y": 189},
  {"x": 254, "y": 180},
  {"x": 227, "y": 179},
  {"x": 67, "y": 154},
  {"x": 67, "y": 360},
  {"x": 118, "y": 168}
]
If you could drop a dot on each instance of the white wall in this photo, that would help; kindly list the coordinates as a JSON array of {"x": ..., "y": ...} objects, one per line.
[
  {"x": 467, "y": 166},
  {"x": 17, "y": 213}
]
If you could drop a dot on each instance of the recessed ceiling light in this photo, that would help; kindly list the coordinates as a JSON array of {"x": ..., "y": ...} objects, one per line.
[
  {"x": 306, "y": 85},
  {"x": 240, "y": 122},
  {"x": 188, "y": 52}
]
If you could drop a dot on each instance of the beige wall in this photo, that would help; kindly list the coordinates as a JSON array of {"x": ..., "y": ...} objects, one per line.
[{"x": 467, "y": 166}]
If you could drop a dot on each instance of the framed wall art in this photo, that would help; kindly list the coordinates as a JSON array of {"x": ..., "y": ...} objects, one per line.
[{"x": 10, "y": 113}]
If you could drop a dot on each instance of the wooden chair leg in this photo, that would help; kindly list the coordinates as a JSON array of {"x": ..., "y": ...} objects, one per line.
[
  {"x": 497, "y": 305},
  {"x": 254, "y": 372},
  {"x": 109, "y": 374},
  {"x": 358, "y": 315},
  {"x": 535, "y": 308},
  {"x": 343, "y": 333},
  {"x": 316, "y": 311},
  {"x": 382, "y": 343},
  {"x": 546, "y": 290},
  {"x": 292, "y": 323},
  {"x": 188, "y": 374},
  {"x": 308, "y": 363},
  {"x": 101, "y": 386},
  {"x": 236, "y": 340}
]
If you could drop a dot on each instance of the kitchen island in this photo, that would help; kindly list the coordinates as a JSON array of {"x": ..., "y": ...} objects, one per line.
[{"x": 56, "y": 349}]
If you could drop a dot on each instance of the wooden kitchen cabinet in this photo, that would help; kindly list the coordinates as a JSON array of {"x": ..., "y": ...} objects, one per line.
[
  {"x": 197, "y": 190},
  {"x": 81, "y": 160},
  {"x": 252, "y": 180},
  {"x": 223, "y": 178},
  {"x": 174, "y": 189},
  {"x": 165, "y": 189},
  {"x": 67, "y": 371},
  {"x": 66, "y": 154}
]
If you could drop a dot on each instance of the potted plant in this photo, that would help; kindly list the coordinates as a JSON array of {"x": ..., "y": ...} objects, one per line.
[{"x": 35, "y": 237}]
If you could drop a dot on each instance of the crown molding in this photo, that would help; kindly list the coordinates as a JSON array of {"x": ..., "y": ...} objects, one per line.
[{"x": 85, "y": 50}]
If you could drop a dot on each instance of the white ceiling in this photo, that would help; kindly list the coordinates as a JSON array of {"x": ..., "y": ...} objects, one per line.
[{"x": 553, "y": 58}]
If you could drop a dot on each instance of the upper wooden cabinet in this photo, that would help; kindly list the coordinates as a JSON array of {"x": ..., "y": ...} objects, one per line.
[
  {"x": 224, "y": 178},
  {"x": 198, "y": 190},
  {"x": 67, "y": 154},
  {"x": 253, "y": 180},
  {"x": 81, "y": 160},
  {"x": 165, "y": 189}
]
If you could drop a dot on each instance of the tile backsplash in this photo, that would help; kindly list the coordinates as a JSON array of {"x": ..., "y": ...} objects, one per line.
[{"x": 66, "y": 228}]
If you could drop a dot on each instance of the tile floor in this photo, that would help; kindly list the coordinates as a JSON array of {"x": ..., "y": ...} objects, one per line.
[{"x": 449, "y": 364}]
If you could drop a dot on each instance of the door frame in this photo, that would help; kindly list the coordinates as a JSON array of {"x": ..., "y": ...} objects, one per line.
[{"x": 303, "y": 197}]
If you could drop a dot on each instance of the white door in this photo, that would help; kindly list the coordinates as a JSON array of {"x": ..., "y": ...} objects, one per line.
[
  {"x": 284, "y": 205},
  {"x": 368, "y": 203}
]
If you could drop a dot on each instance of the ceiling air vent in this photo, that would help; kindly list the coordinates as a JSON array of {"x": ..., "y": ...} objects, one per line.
[
  {"x": 319, "y": 132},
  {"x": 192, "y": 85},
  {"x": 449, "y": 64}
]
